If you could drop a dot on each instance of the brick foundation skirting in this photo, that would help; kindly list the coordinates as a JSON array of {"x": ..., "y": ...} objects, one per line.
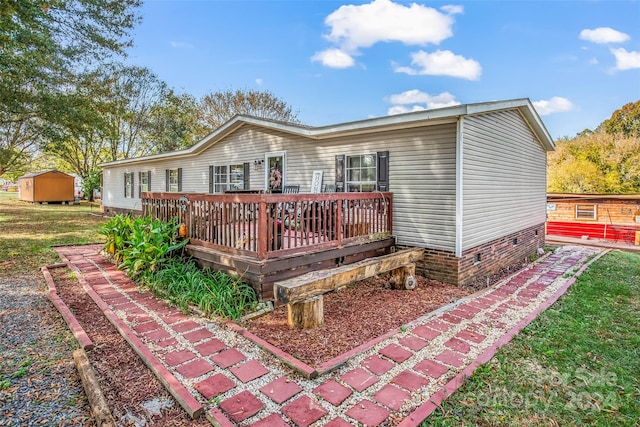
[{"x": 484, "y": 260}]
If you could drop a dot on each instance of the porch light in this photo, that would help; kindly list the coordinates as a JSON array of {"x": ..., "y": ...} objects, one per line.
[{"x": 257, "y": 163}]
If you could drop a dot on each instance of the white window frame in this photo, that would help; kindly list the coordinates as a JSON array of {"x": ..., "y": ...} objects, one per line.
[
  {"x": 355, "y": 184},
  {"x": 174, "y": 180},
  {"x": 144, "y": 181},
  {"x": 128, "y": 185},
  {"x": 224, "y": 179},
  {"x": 587, "y": 211}
]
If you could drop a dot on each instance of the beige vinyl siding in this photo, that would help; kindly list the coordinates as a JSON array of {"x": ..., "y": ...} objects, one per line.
[
  {"x": 421, "y": 178},
  {"x": 504, "y": 177},
  {"x": 421, "y": 172}
]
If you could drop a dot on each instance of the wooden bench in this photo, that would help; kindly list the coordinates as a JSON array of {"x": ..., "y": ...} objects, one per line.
[{"x": 304, "y": 294}]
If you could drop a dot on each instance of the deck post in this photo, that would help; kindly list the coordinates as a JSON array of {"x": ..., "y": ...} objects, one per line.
[
  {"x": 338, "y": 224},
  {"x": 262, "y": 229}
]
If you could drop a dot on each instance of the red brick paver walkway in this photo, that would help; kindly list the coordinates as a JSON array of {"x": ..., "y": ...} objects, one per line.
[{"x": 237, "y": 383}]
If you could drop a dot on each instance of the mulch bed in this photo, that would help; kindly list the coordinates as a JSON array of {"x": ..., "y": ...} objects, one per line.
[
  {"x": 353, "y": 316},
  {"x": 125, "y": 380}
]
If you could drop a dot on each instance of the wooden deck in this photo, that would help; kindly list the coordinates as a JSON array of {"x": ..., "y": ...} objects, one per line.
[{"x": 270, "y": 237}]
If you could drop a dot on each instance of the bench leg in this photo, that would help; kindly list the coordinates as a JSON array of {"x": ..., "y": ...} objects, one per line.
[
  {"x": 404, "y": 277},
  {"x": 306, "y": 314}
]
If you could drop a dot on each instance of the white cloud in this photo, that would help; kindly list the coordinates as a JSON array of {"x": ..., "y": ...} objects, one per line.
[
  {"x": 593, "y": 61},
  {"x": 442, "y": 63},
  {"x": 259, "y": 81},
  {"x": 452, "y": 9},
  {"x": 180, "y": 45},
  {"x": 417, "y": 97},
  {"x": 354, "y": 27},
  {"x": 556, "y": 104},
  {"x": 334, "y": 58},
  {"x": 626, "y": 60},
  {"x": 603, "y": 35},
  {"x": 401, "y": 109}
]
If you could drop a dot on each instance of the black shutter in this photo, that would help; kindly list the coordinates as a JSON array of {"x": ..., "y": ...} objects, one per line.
[
  {"x": 179, "y": 180},
  {"x": 125, "y": 184},
  {"x": 247, "y": 171},
  {"x": 383, "y": 171},
  {"x": 149, "y": 180},
  {"x": 211, "y": 179},
  {"x": 140, "y": 184},
  {"x": 340, "y": 173},
  {"x": 168, "y": 173}
]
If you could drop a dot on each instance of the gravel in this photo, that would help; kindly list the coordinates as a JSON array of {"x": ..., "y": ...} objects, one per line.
[{"x": 39, "y": 384}]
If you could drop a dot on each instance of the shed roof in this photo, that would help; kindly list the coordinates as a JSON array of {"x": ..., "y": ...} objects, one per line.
[
  {"x": 34, "y": 174},
  {"x": 399, "y": 121}
]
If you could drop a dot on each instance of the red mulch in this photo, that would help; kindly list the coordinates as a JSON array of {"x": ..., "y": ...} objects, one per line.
[
  {"x": 353, "y": 316},
  {"x": 124, "y": 379}
]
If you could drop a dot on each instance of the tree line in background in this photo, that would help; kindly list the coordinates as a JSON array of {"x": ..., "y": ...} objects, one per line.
[
  {"x": 68, "y": 101},
  {"x": 601, "y": 161}
]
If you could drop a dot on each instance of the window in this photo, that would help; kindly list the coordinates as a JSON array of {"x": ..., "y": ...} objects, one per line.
[
  {"x": 173, "y": 180},
  {"x": 128, "y": 185},
  {"x": 361, "y": 173},
  {"x": 144, "y": 182},
  {"x": 586, "y": 212},
  {"x": 230, "y": 177}
]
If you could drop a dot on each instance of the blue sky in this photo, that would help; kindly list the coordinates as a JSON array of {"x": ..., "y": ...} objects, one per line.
[{"x": 334, "y": 62}]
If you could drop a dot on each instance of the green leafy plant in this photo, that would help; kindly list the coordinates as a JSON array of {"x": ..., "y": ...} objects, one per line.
[
  {"x": 151, "y": 243},
  {"x": 213, "y": 292},
  {"x": 117, "y": 231}
]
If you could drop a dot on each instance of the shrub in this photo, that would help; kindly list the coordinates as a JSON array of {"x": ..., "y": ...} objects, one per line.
[
  {"x": 142, "y": 243},
  {"x": 214, "y": 292},
  {"x": 117, "y": 231}
]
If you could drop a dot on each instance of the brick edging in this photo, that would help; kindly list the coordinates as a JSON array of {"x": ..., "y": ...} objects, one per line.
[
  {"x": 170, "y": 382},
  {"x": 70, "y": 319},
  {"x": 297, "y": 365},
  {"x": 427, "y": 408}
]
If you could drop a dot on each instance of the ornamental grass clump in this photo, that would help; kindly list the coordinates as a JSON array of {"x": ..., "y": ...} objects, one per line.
[{"x": 214, "y": 292}]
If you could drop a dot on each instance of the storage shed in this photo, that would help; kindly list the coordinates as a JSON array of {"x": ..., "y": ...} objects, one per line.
[{"x": 46, "y": 186}]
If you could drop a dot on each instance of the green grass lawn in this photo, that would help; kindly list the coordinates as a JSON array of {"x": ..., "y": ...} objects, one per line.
[
  {"x": 29, "y": 231},
  {"x": 577, "y": 364}
]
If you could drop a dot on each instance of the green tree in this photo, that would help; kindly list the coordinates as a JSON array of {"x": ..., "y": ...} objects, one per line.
[
  {"x": 91, "y": 182},
  {"x": 219, "y": 107},
  {"x": 133, "y": 94},
  {"x": 43, "y": 44},
  {"x": 625, "y": 121},
  {"x": 175, "y": 123},
  {"x": 596, "y": 162}
]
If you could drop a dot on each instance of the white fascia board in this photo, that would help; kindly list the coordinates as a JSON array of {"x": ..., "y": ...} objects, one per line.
[{"x": 400, "y": 121}]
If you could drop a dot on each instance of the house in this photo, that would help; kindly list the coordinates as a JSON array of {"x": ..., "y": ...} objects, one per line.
[
  {"x": 614, "y": 217},
  {"x": 46, "y": 186},
  {"x": 468, "y": 182}
]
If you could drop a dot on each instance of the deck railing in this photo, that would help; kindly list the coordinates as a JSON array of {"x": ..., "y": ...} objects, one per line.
[{"x": 273, "y": 225}]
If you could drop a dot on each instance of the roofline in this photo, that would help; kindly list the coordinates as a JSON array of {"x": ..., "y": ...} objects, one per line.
[
  {"x": 578, "y": 196},
  {"x": 413, "y": 119},
  {"x": 34, "y": 174}
]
